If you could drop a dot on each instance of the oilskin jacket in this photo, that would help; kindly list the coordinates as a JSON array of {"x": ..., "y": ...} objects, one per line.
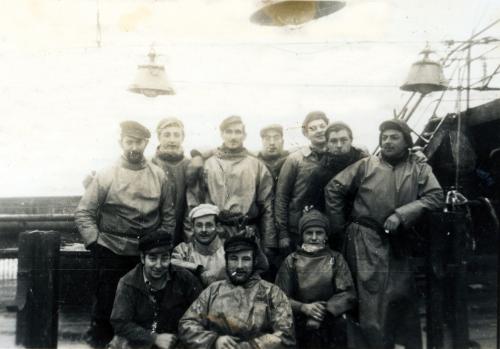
[
  {"x": 137, "y": 317},
  {"x": 257, "y": 314},
  {"x": 124, "y": 202},
  {"x": 387, "y": 312},
  {"x": 291, "y": 189},
  {"x": 308, "y": 277},
  {"x": 241, "y": 184},
  {"x": 175, "y": 169}
]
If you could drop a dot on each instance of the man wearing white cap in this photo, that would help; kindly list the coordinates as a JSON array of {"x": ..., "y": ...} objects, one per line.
[{"x": 204, "y": 255}]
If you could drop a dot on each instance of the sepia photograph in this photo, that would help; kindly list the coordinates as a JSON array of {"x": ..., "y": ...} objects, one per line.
[{"x": 250, "y": 174}]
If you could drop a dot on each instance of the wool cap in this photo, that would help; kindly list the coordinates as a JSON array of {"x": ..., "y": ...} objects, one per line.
[
  {"x": 337, "y": 126},
  {"x": 398, "y": 125},
  {"x": 234, "y": 119},
  {"x": 134, "y": 129},
  {"x": 314, "y": 115},
  {"x": 240, "y": 243},
  {"x": 155, "y": 239},
  {"x": 313, "y": 218},
  {"x": 169, "y": 122},
  {"x": 203, "y": 210},
  {"x": 273, "y": 127}
]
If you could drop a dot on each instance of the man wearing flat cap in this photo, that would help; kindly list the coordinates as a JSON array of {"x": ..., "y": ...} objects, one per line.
[
  {"x": 170, "y": 157},
  {"x": 204, "y": 255},
  {"x": 391, "y": 192},
  {"x": 294, "y": 179},
  {"x": 242, "y": 311},
  {"x": 240, "y": 186},
  {"x": 121, "y": 204},
  {"x": 152, "y": 297}
]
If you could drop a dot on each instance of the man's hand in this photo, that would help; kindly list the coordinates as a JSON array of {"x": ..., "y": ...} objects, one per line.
[
  {"x": 88, "y": 179},
  {"x": 392, "y": 223},
  {"x": 165, "y": 340},
  {"x": 226, "y": 342},
  {"x": 284, "y": 244},
  {"x": 207, "y": 277},
  {"x": 316, "y": 310}
]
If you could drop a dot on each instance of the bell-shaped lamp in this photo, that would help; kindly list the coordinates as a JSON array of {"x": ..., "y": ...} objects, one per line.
[
  {"x": 425, "y": 76},
  {"x": 151, "y": 79},
  {"x": 293, "y": 12}
]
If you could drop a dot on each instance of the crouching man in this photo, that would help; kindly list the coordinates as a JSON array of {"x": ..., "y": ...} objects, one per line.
[
  {"x": 204, "y": 255},
  {"x": 242, "y": 311},
  {"x": 151, "y": 298}
]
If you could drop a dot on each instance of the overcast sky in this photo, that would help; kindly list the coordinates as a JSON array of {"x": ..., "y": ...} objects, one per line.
[{"x": 63, "y": 97}]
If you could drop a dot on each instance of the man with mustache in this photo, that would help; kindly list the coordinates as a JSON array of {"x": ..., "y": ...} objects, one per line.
[
  {"x": 391, "y": 191},
  {"x": 204, "y": 255},
  {"x": 293, "y": 181},
  {"x": 152, "y": 297},
  {"x": 242, "y": 311},
  {"x": 121, "y": 204},
  {"x": 272, "y": 153}
]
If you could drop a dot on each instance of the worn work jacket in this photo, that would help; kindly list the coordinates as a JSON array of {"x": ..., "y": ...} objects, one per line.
[
  {"x": 241, "y": 184},
  {"x": 210, "y": 257},
  {"x": 308, "y": 277},
  {"x": 257, "y": 314},
  {"x": 274, "y": 164},
  {"x": 387, "y": 312},
  {"x": 124, "y": 202},
  {"x": 176, "y": 173},
  {"x": 136, "y": 312},
  {"x": 330, "y": 166},
  {"x": 291, "y": 189}
]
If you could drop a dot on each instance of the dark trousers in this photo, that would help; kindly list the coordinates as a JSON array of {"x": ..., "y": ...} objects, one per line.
[{"x": 109, "y": 268}]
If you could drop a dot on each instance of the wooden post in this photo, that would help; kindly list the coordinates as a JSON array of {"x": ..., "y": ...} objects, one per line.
[{"x": 37, "y": 289}]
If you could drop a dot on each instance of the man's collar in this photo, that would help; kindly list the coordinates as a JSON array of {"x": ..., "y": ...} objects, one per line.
[{"x": 130, "y": 166}]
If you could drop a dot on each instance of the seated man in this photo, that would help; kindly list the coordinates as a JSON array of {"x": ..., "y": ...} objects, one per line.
[
  {"x": 242, "y": 311},
  {"x": 204, "y": 256},
  {"x": 319, "y": 284},
  {"x": 151, "y": 298}
]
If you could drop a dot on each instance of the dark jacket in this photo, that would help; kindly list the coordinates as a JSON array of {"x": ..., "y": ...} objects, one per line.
[
  {"x": 274, "y": 163},
  {"x": 134, "y": 308},
  {"x": 330, "y": 166},
  {"x": 291, "y": 188},
  {"x": 176, "y": 173}
]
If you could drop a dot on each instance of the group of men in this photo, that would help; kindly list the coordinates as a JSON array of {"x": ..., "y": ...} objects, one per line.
[{"x": 162, "y": 230}]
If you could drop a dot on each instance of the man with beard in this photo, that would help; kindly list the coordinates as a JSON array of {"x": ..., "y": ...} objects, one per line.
[
  {"x": 240, "y": 186},
  {"x": 272, "y": 153},
  {"x": 391, "y": 191},
  {"x": 294, "y": 179},
  {"x": 319, "y": 285},
  {"x": 170, "y": 157},
  {"x": 340, "y": 154},
  {"x": 152, "y": 297},
  {"x": 242, "y": 311},
  {"x": 121, "y": 204},
  {"x": 204, "y": 255}
]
